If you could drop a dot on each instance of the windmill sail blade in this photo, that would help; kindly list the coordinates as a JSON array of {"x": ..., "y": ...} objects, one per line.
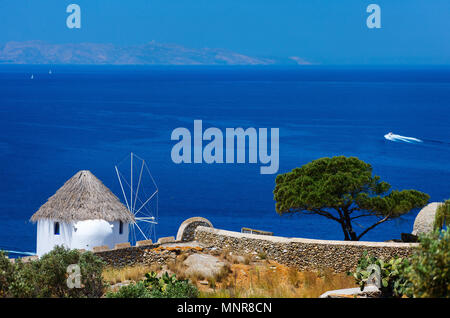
[{"x": 140, "y": 197}]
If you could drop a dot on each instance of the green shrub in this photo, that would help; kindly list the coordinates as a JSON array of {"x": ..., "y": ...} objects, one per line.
[
  {"x": 425, "y": 274},
  {"x": 393, "y": 282},
  {"x": 157, "y": 287},
  {"x": 6, "y": 274},
  {"x": 169, "y": 286},
  {"x": 24, "y": 283},
  {"x": 138, "y": 290},
  {"x": 51, "y": 276},
  {"x": 429, "y": 272},
  {"x": 442, "y": 216},
  {"x": 47, "y": 276}
]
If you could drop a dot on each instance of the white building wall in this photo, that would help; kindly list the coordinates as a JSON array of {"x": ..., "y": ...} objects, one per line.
[
  {"x": 79, "y": 235},
  {"x": 46, "y": 239}
]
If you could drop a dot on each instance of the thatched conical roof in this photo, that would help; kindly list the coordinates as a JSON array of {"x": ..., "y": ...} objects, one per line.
[{"x": 83, "y": 197}]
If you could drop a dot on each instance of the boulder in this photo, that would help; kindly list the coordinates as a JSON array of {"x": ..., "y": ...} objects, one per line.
[
  {"x": 203, "y": 265},
  {"x": 424, "y": 222},
  {"x": 370, "y": 291}
]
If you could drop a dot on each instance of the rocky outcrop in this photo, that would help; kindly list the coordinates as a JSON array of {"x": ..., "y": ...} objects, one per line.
[
  {"x": 203, "y": 265},
  {"x": 424, "y": 222}
]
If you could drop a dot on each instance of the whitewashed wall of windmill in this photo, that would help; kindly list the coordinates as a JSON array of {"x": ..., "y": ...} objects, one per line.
[{"x": 79, "y": 235}]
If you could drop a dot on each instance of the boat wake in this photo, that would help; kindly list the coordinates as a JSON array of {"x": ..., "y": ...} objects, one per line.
[{"x": 399, "y": 138}]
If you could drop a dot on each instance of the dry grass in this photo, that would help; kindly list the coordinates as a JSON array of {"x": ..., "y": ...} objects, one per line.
[
  {"x": 129, "y": 273},
  {"x": 229, "y": 257},
  {"x": 248, "y": 279},
  {"x": 226, "y": 254},
  {"x": 223, "y": 273},
  {"x": 177, "y": 267},
  {"x": 315, "y": 284},
  {"x": 270, "y": 279}
]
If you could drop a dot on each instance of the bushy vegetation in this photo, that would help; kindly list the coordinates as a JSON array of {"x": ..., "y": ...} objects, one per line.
[
  {"x": 157, "y": 287},
  {"x": 429, "y": 272},
  {"x": 425, "y": 274},
  {"x": 134, "y": 290},
  {"x": 6, "y": 274},
  {"x": 391, "y": 274},
  {"x": 47, "y": 276},
  {"x": 442, "y": 216}
]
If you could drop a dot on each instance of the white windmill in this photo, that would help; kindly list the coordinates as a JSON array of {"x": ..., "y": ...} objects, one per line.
[{"x": 140, "y": 194}]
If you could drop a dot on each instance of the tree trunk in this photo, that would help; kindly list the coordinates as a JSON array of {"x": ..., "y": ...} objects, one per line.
[
  {"x": 347, "y": 223},
  {"x": 344, "y": 229}
]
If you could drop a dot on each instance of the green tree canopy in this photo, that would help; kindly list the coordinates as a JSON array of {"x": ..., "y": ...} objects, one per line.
[{"x": 343, "y": 189}]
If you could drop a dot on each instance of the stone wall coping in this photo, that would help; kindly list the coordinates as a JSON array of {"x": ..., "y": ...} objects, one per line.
[
  {"x": 122, "y": 245},
  {"x": 101, "y": 248},
  {"x": 279, "y": 239},
  {"x": 144, "y": 243},
  {"x": 167, "y": 239}
]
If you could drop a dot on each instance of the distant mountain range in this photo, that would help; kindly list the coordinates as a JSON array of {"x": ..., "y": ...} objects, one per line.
[{"x": 152, "y": 53}]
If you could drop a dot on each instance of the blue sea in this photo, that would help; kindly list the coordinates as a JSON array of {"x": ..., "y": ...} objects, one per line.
[{"x": 82, "y": 117}]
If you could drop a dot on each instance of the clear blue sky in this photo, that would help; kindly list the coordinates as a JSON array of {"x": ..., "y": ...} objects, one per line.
[{"x": 322, "y": 31}]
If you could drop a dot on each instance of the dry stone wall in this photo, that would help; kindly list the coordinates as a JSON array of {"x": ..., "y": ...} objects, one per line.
[
  {"x": 136, "y": 255},
  {"x": 304, "y": 254}
]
